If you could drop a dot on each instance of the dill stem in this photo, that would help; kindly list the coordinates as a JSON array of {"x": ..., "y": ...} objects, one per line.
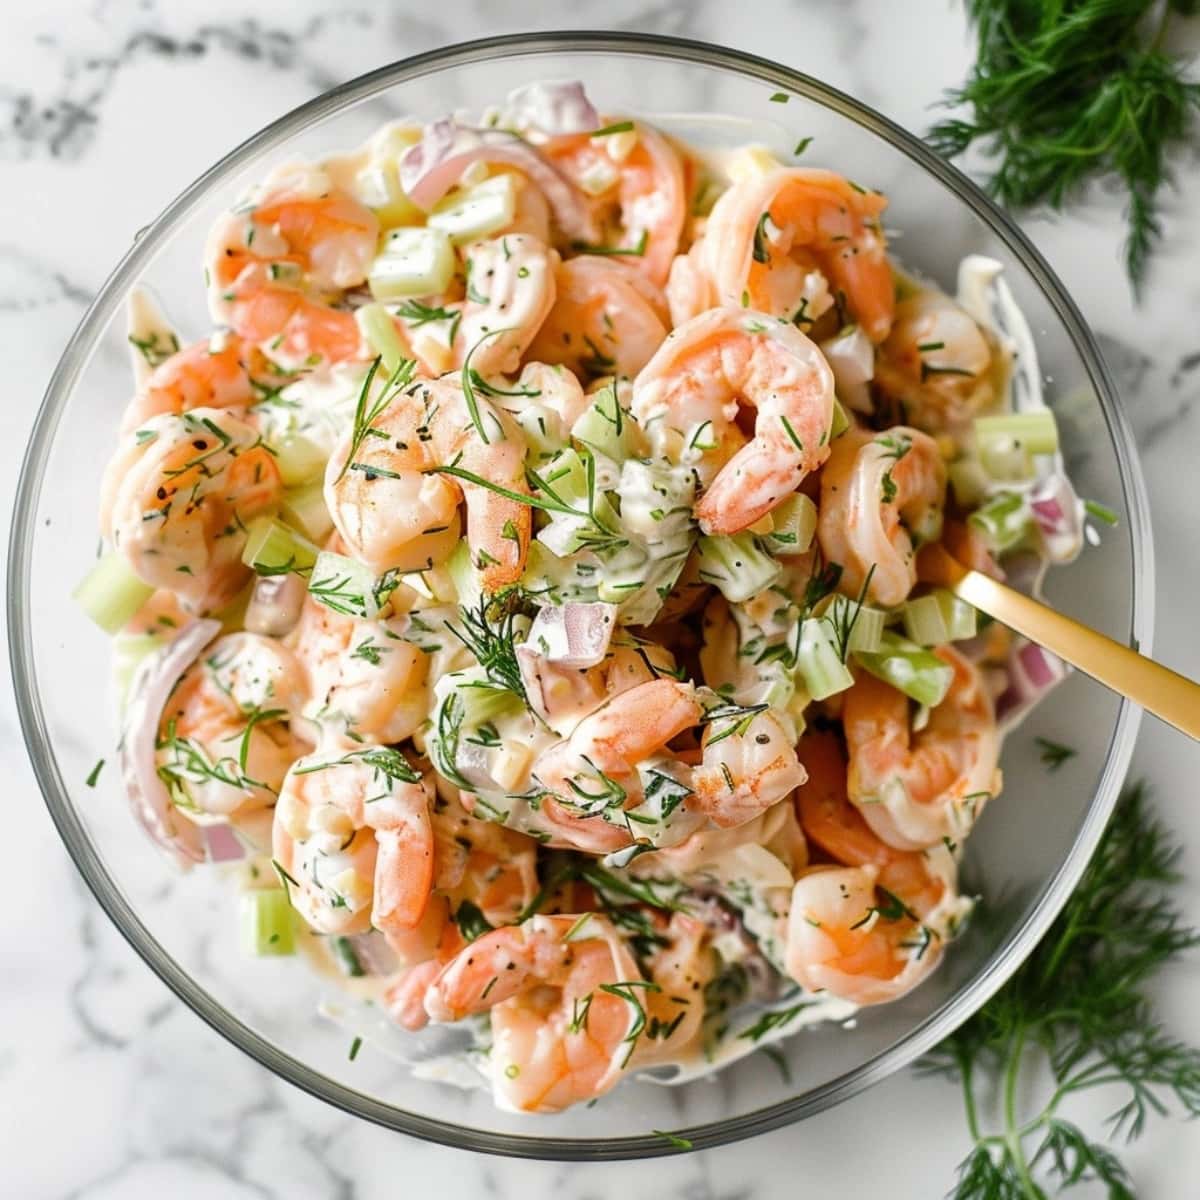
[
  {"x": 966, "y": 1068},
  {"x": 1012, "y": 1134},
  {"x": 1160, "y": 32}
]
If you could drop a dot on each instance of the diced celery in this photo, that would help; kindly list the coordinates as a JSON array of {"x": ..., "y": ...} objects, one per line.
[
  {"x": 1004, "y": 521},
  {"x": 566, "y": 477},
  {"x": 413, "y": 261},
  {"x": 540, "y": 424},
  {"x": 304, "y": 508},
  {"x": 794, "y": 523},
  {"x": 607, "y": 427},
  {"x": 1005, "y": 459},
  {"x": 819, "y": 660},
  {"x": 347, "y": 586},
  {"x": 557, "y": 580},
  {"x": 864, "y": 622},
  {"x": 466, "y": 578},
  {"x": 483, "y": 703},
  {"x": 910, "y": 669},
  {"x": 379, "y": 329},
  {"x": 267, "y": 923},
  {"x": 959, "y": 616},
  {"x": 969, "y": 480},
  {"x": 737, "y": 565},
  {"x": 484, "y": 209},
  {"x": 924, "y": 621},
  {"x": 299, "y": 459},
  {"x": 840, "y": 422},
  {"x": 111, "y": 593},
  {"x": 274, "y": 549},
  {"x": 1037, "y": 431}
]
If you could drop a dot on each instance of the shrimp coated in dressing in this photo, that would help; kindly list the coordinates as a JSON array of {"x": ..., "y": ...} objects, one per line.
[
  {"x": 916, "y": 788},
  {"x": 881, "y": 498},
  {"x": 688, "y": 397}
]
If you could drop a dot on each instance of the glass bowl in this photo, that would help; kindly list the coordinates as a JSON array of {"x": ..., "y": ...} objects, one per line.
[{"x": 1030, "y": 846}]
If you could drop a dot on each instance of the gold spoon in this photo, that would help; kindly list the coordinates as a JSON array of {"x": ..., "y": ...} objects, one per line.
[{"x": 1159, "y": 690}]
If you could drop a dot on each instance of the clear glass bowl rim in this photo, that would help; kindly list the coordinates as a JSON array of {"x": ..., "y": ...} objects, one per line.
[{"x": 921, "y": 1038}]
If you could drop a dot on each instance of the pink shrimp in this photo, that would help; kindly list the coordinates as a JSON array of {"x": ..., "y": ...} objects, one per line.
[{"x": 688, "y": 396}]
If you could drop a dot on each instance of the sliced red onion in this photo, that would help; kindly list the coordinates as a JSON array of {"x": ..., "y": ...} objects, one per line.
[
  {"x": 573, "y": 635},
  {"x": 435, "y": 164},
  {"x": 1059, "y": 515},
  {"x": 275, "y": 604},
  {"x": 149, "y": 691},
  {"x": 851, "y": 358},
  {"x": 1032, "y": 672},
  {"x": 223, "y": 844},
  {"x": 555, "y": 107}
]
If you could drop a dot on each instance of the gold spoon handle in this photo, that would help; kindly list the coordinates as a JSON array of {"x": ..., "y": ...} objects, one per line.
[{"x": 1159, "y": 690}]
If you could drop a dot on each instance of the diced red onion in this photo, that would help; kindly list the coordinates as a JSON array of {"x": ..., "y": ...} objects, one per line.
[
  {"x": 553, "y": 108},
  {"x": 149, "y": 690},
  {"x": 374, "y": 955},
  {"x": 223, "y": 844},
  {"x": 573, "y": 635},
  {"x": 1059, "y": 516},
  {"x": 275, "y": 604},
  {"x": 1032, "y": 672},
  {"x": 435, "y": 164}
]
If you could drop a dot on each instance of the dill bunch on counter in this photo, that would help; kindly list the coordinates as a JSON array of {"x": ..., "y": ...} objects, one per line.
[
  {"x": 1077, "y": 1006},
  {"x": 1066, "y": 91}
]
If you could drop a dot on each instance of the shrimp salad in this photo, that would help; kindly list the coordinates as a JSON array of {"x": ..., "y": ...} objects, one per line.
[{"x": 524, "y": 588}]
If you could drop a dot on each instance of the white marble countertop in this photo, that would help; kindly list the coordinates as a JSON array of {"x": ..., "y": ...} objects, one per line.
[{"x": 110, "y": 1088}]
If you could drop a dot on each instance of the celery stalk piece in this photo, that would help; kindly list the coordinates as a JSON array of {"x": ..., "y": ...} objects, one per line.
[
  {"x": 862, "y": 624},
  {"x": 414, "y": 261},
  {"x": 969, "y": 480},
  {"x": 910, "y": 669},
  {"x": 465, "y": 577},
  {"x": 737, "y": 565},
  {"x": 959, "y": 616},
  {"x": 347, "y": 586},
  {"x": 819, "y": 660},
  {"x": 1004, "y": 521},
  {"x": 924, "y": 622},
  {"x": 478, "y": 212},
  {"x": 1006, "y": 460},
  {"x": 304, "y": 509},
  {"x": 1037, "y": 431},
  {"x": 267, "y": 923},
  {"x": 110, "y": 593},
  {"x": 606, "y": 427},
  {"x": 483, "y": 703},
  {"x": 299, "y": 459},
  {"x": 794, "y": 524},
  {"x": 840, "y": 422},
  {"x": 379, "y": 330},
  {"x": 274, "y": 549}
]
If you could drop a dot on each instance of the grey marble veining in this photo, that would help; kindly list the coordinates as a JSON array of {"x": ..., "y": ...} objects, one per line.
[{"x": 111, "y": 1090}]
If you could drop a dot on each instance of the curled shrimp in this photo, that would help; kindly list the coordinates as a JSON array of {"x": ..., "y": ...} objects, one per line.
[
  {"x": 362, "y": 678},
  {"x": 638, "y": 186},
  {"x": 680, "y": 967},
  {"x": 608, "y": 318},
  {"x": 768, "y": 234},
  {"x": 275, "y": 262},
  {"x": 225, "y": 739},
  {"x": 881, "y": 497},
  {"x": 914, "y": 789},
  {"x": 924, "y": 881},
  {"x": 352, "y": 835},
  {"x": 177, "y": 497},
  {"x": 565, "y": 995},
  {"x": 214, "y": 373},
  {"x": 744, "y": 771},
  {"x": 592, "y": 778},
  {"x": 688, "y": 396},
  {"x": 510, "y": 292},
  {"x": 390, "y": 503},
  {"x": 939, "y": 365}
]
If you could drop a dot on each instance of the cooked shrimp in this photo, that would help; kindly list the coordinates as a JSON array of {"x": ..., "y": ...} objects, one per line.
[
  {"x": 592, "y": 776},
  {"x": 938, "y": 364},
  {"x": 353, "y": 834},
  {"x": 847, "y": 938},
  {"x": 565, "y": 995},
  {"x": 510, "y": 291},
  {"x": 214, "y": 373},
  {"x": 687, "y": 399},
  {"x": 881, "y": 497},
  {"x": 924, "y": 881},
  {"x": 680, "y": 968},
  {"x": 363, "y": 679},
  {"x": 177, "y": 497},
  {"x": 390, "y": 503},
  {"x": 689, "y": 289},
  {"x": 745, "y": 771},
  {"x": 769, "y": 232},
  {"x": 274, "y": 263},
  {"x": 915, "y": 789},
  {"x": 639, "y": 189},
  {"x": 225, "y": 741},
  {"x": 608, "y": 318}
]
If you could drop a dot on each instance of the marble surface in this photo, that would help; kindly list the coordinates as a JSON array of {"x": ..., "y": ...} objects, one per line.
[{"x": 109, "y": 1087}]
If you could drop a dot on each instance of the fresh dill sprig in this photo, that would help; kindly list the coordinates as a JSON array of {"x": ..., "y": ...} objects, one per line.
[
  {"x": 1064, "y": 93},
  {"x": 1077, "y": 1006},
  {"x": 366, "y": 413},
  {"x": 487, "y": 630}
]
